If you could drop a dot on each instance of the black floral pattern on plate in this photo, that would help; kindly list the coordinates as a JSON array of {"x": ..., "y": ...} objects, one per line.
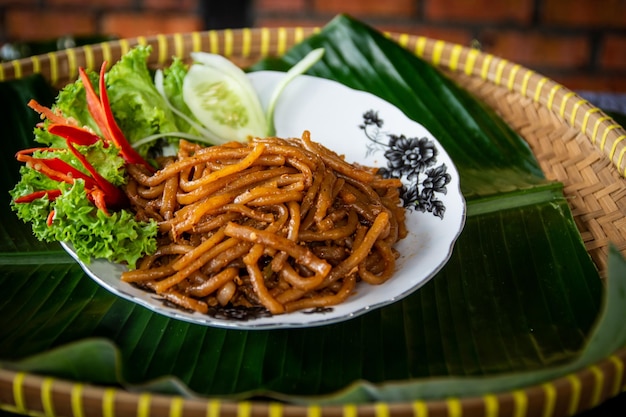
[{"x": 411, "y": 159}]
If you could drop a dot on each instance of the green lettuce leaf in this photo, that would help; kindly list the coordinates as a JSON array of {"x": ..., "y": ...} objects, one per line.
[
  {"x": 117, "y": 237},
  {"x": 173, "y": 77},
  {"x": 138, "y": 107}
]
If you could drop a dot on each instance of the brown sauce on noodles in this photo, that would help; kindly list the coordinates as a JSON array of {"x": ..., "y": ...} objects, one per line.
[{"x": 274, "y": 224}]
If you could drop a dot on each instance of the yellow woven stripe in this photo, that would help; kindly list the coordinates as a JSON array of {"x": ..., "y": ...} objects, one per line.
[
  {"x": 179, "y": 45},
  {"x": 521, "y": 403},
  {"x": 36, "y": 64},
  {"x": 492, "y": 406},
  {"x": 17, "y": 69},
  {"x": 228, "y": 42},
  {"x": 275, "y": 410},
  {"x": 621, "y": 158},
  {"x": 18, "y": 392},
  {"x": 470, "y": 61},
  {"x": 381, "y": 410},
  {"x": 176, "y": 407},
  {"x": 162, "y": 46},
  {"x": 574, "y": 399},
  {"x": 89, "y": 59},
  {"x": 1, "y": 72},
  {"x": 108, "y": 403},
  {"x": 265, "y": 41},
  {"x": 349, "y": 410},
  {"x": 124, "y": 46},
  {"x": 615, "y": 143},
  {"x": 420, "y": 46},
  {"x": 246, "y": 40},
  {"x": 566, "y": 98},
  {"x": 403, "y": 40},
  {"x": 213, "y": 42},
  {"x": 196, "y": 41},
  {"x": 71, "y": 63},
  {"x": 106, "y": 52},
  {"x": 77, "y": 400},
  {"x": 484, "y": 73},
  {"x": 282, "y": 40},
  {"x": 586, "y": 118},
  {"x": 313, "y": 411},
  {"x": 420, "y": 409},
  {"x": 244, "y": 409},
  {"x": 572, "y": 119},
  {"x": 596, "y": 127},
  {"x": 141, "y": 40},
  {"x": 539, "y": 88},
  {"x": 525, "y": 81},
  {"x": 454, "y": 407},
  {"x": 552, "y": 94},
  {"x": 619, "y": 374},
  {"x": 213, "y": 408},
  {"x": 143, "y": 406},
  {"x": 597, "y": 389},
  {"x": 550, "y": 391},
  {"x": 499, "y": 71},
  {"x": 454, "y": 57},
  {"x": 54, "y": 67},
  {"x": 438, "y": 51},
  {"x": 46, "y": 397},
  {"x": 512, "y": 76},
  {"x": 298, "y": 35}
]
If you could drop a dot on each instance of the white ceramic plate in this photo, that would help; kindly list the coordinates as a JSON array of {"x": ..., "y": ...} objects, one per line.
[{"x": 369, "y": 131}]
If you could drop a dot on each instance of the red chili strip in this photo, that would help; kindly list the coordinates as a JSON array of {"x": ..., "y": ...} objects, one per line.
[
  {"x": 56, "y": 169},
  {"x": 74, "y": 134},
  {"x": 20, "y": 154},
  {"x": 51, "y": 194},
  {"x": 98, "y": 197},
  {"x": 50, "y": 218},
  {"x": 100, "y": 110},
  {"x": 48, "y": 113},
  {"x": 113, "y": 196},
  {"x": 93, "y": 103}
]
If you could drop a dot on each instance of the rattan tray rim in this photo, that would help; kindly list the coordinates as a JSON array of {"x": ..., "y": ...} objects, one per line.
[{"x": 28, "y": 393}]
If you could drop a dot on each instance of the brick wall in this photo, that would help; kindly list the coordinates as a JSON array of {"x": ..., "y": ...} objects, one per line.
[{"x": 580, "y": 43}]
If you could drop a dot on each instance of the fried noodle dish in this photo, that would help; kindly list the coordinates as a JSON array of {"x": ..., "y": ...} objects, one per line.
[{"x": 281, "y": 224}]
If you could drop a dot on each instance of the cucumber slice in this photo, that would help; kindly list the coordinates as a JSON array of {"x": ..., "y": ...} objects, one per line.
[{"x": 221, "y": 97}]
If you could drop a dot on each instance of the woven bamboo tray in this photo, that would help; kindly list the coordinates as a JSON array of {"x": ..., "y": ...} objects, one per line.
[{"x": 575, "y": 143}]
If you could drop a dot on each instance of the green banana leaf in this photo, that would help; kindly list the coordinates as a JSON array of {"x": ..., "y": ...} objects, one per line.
[{"x": 517, "y": 300}]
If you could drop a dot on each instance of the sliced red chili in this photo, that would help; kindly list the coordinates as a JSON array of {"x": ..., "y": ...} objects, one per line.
[
  {"x": 48, "y": 113},
  {"x": 74, "y": 134},
  {"x": 56, "y": 169},
  {"x": 20, "y": 154},
  {"x": 93, "y": 103},
  {"x": 112, "y": 195},
  {"x": 51, "y": 194},
  {"x": 100, "y": 109},
  {"x": 98, "y": 197},
  {"x": 50, "y": 218}
]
